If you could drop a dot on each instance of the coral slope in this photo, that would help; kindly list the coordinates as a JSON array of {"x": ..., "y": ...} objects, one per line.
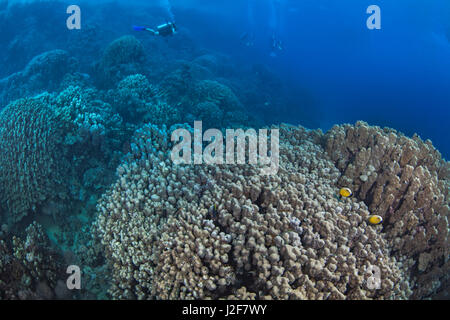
[{"x": 227, "y": 232}]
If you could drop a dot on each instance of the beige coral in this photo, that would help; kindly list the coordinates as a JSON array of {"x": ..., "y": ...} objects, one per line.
[
  {"x": 406, "y": 182},
  {"x": 197, "y": 232}
]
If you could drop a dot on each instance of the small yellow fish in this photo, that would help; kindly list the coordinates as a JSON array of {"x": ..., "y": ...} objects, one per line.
[
  {"x": 345, "y": 192},
  {"x": 375, "y": 219}
]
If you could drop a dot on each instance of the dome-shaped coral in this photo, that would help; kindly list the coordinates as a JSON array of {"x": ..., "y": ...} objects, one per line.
[
  {"x": 32, "y": 166},
  {"x": 137, "y": 101},
  {"x": 124, "y": 56}
]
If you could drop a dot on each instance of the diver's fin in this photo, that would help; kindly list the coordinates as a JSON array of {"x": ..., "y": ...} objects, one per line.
[{"x": 137, "y": 28}]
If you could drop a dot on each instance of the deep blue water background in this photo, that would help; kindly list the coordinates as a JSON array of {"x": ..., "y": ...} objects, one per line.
[
  {"x": 334, "y": 70},
  {"x": 337, "y": 69}
]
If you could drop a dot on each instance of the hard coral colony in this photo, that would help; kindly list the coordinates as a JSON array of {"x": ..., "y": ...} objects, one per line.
[{"x": 86, "y": 165}]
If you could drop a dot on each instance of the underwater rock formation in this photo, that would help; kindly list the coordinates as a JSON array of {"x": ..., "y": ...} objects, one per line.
[{"x": 188, "y": 232}]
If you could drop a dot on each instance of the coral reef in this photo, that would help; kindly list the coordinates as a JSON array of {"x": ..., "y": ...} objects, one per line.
[
  {"x": 138, "y": 102},
  {"x": 196, "y": 232},
  {"x": 406, "y": 182},
  {"x": 32, "y": 166},
  {"x": 85, "y": 139},
  {"x": 30, "y": 268},
  {"x": 218, "y": 104},
  {"x": 215, "y": 92},
  {"x": 210, "y": 101},
  {"x": 94, "y": 136},
  {"x": 28, "y": 29},
  {"x": 87, "y": 119},
  {"x": 40, "y": 136},
  {"x": 124, "y": 56},
  {"x": 60, "y": 152},
  {"x": 43, "y": 73},
  {"x": 177, "y": 84}
]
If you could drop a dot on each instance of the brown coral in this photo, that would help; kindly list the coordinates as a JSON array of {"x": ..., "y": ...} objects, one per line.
[
  {"x": 31, "y": 166},
  {"x": 29, "y": 268},
  {"x": 405, "y": 181},
  {"x": 274, "y": 237}
]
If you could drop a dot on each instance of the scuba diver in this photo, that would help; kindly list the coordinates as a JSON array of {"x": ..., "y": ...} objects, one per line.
[
  {"x": 275, "y": 8},
  {"x": 275, "y": 22},
  {"x": 276, "y": 44},
  {"x": 164, "y": 30},
  {"x": 248, "y": 39}
]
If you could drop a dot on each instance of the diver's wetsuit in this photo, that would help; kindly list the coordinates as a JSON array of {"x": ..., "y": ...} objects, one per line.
[{"x": 164, "y": 30}]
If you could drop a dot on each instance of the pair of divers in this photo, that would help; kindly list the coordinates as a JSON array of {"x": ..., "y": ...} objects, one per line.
[
  {"x": 169, "y": 29},
  {"x": 164, "y": 30},
  {"x": 248, "y": 39}
]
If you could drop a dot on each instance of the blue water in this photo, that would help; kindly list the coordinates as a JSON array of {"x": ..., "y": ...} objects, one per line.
[
  {"x": 333, "y": 69},
  {"x": 398, "y": 76}
]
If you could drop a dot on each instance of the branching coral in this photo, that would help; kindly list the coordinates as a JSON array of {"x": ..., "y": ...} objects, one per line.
[
  {"x": 31, "y": 166},
  {"x": 243, "y": 235},
  {"x": 86, "y": 118},
  {"x": 93, "y": 137},
  {"x": 407, "y": 183},
  {"x": 40, "y": 136}
]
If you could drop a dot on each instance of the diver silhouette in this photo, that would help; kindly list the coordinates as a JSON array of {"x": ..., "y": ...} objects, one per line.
[
  {"x": 275, "y": 9},
  {"x": 163, "y": 30},
  {"x": 248, "y": 37}
]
